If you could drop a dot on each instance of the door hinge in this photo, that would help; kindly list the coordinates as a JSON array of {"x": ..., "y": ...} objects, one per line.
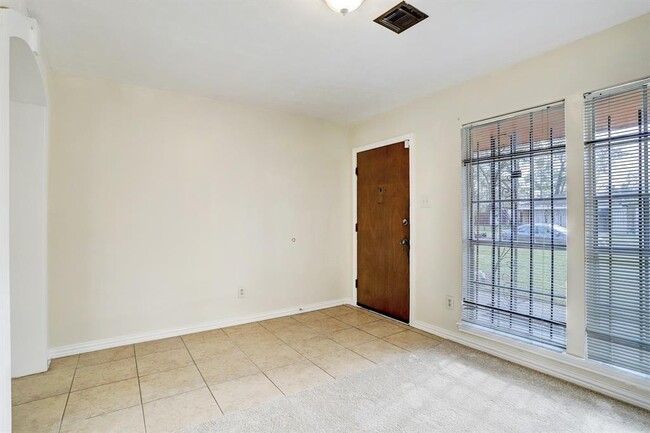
[
  {"x": 356, "y": 283},
  {"x": 356, "y": 227},
  {"x": 407, "y": 144},
  {"x": 356, "y": 171}
]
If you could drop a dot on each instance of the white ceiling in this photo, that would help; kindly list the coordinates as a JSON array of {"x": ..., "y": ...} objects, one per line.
[{"x": 299, "y": 56}]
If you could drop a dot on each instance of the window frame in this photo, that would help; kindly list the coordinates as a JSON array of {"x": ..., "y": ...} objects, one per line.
[
  {"x": 532, "y": 241},
  {"x": 600, "y": 219}
]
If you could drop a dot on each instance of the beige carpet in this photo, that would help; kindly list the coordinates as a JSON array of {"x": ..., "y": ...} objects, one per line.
[{"x": 447, "y": 388}]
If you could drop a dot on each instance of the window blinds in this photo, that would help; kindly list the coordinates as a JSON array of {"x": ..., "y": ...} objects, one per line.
[
  {"x": 617, "y": 218},
  {"x": 514, "y": 260}
]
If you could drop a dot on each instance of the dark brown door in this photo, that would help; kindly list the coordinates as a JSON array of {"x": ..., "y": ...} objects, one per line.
[{"x": 383, "y": 230}]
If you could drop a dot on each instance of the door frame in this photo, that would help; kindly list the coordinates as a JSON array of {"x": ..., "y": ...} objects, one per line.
[{"x": 410, "y": 140}]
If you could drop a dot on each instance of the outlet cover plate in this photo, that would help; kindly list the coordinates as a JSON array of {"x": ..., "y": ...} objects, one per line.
[{"x": 450, "y": 303}]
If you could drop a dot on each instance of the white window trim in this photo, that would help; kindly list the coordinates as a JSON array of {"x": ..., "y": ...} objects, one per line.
[
  {"x": 590, "y": 98},
  {"x": 572, "y": 344}
]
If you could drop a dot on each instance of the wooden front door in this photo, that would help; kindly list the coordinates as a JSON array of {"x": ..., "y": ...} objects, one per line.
[{"x": 383, "y": 228}]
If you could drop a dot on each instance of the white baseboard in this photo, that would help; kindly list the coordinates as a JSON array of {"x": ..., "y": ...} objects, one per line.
[
  {"x": 579, "y": 372},
  {"x": 107, "y": 343}
]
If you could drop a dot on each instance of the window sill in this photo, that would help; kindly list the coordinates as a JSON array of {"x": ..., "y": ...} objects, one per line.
[{"x": 510, "y": 340}]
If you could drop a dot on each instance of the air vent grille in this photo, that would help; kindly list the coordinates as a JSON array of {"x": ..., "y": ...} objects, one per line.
[{"x": 401, "y": 17}]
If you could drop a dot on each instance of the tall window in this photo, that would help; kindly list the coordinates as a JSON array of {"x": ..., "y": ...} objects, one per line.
[
  {"x": 515, "y": 225},
  {"x": 617, "y": 215}
]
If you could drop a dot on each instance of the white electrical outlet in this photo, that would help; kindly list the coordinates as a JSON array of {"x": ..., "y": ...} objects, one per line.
[
  {"x": 450, "y": 302},
  {"x": 241, "y": 293}
]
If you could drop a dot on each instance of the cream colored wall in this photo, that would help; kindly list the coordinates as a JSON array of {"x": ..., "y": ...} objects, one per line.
[
  {"x": 614, "y": 56},
  {"x": 162, "y": 205}
]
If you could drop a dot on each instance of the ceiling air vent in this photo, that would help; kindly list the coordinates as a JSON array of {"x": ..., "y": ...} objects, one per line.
[{"x": 401, "y": 17}]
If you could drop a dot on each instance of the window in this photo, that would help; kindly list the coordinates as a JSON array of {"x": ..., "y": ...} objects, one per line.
[
  {"x": 514, "y": 260},
  {"x": 617, "y": 230}
]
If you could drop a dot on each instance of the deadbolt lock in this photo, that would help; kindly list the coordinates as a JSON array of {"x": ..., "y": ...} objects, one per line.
[{"x": 405, "y": 222}]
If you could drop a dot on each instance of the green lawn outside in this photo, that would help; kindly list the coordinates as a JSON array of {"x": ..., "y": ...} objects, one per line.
[{"x": 541, "y": 268}]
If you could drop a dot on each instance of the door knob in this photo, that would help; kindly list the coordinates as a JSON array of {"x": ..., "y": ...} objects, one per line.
[{"x": 404, "y": 242}]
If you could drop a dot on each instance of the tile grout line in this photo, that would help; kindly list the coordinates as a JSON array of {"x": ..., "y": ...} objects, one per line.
[
  {"x": 174, "y": 395},
  {"x": 233, "y": 341},
  {"x": 137, "y": 373},
  {"x": 322, "y": 369},
  {"x": 202, "y": 377},
  {"x": 82, "y": 389},
  {"x": 312, "y": 361},
  {"x": 40, "y": 399},
  {"x": 350, "y": 348},
  {"x": 254, "y": 363},
  {"x": 378, "y": 339},
  {"x": 285, "y": 317},
  {"x": 287, "y": 344},
  {"x": 102, "y": 414},
  {"x": 90, "y": 387},
  {"x": 69, "y": 392},
  {"x": 105, "y": 384},
  {"x": 83, "y": 367},
  {"x": 162, "y": 351},
  {"x": 320, "y": 334},
  {"x": 274, "y": 384},
  {"x": 350, "y": 326}
]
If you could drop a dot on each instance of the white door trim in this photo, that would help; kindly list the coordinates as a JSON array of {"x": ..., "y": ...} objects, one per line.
[{"x": 409, "y": 139}]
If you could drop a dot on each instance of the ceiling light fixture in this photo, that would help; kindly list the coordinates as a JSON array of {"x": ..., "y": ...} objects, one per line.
[{"x": 344, "y": 6}]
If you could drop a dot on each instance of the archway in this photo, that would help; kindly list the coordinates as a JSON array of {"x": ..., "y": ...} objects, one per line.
[{"x": 23, "y": 203}]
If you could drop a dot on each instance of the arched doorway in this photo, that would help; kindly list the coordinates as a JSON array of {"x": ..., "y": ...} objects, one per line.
[{"x": 23, "y": 203}]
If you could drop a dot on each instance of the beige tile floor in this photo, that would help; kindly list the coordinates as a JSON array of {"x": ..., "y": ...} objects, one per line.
[{"x": 169, "y": 384}]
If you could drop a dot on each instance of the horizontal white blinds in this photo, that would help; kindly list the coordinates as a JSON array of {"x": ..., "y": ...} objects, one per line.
[
  {"x": 617, "y": 218},
  {"x": 514, "y": 261}
]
